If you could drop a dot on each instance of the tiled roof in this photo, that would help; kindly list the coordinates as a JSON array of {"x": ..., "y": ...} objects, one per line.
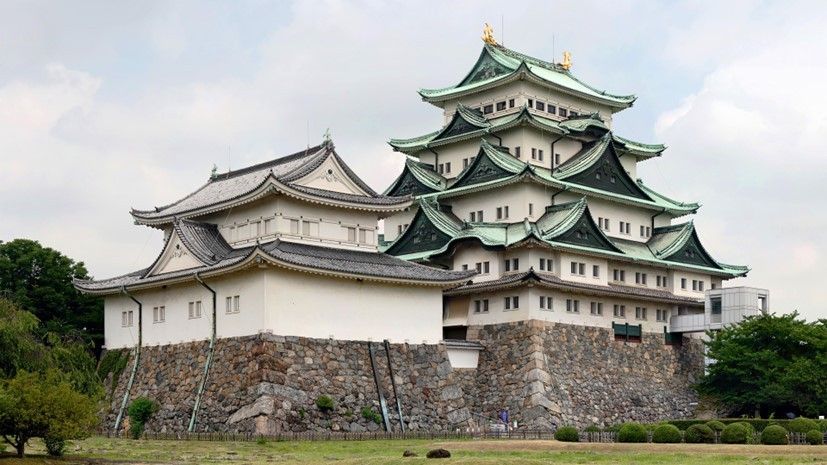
[
  {"x": 204, "y": 241},
  {"x": 236, "y": 185},
  {"x": 552, "y": 281}
]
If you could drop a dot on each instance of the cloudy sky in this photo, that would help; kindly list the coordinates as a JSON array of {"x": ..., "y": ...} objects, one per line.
[{"x": 109, "y": 105}]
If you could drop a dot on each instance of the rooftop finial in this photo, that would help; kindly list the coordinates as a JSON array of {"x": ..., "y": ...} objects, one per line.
[
  {"x": 214, "y": 172},
  {"x": 566, "y": 64},
  {"x": 488, "y": 35},
  {"x": 326, "y": 140}
]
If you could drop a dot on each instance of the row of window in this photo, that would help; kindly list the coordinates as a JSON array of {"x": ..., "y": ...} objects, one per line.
[
  {"x": 573, "y": 306},
  {"x": 444, "y": 168},
  {"x": 579, "y": 269},
  {"x": 625, "y": 228},
  {"x": 551, "y": 109},
  {"x": 159, "y": 313}
]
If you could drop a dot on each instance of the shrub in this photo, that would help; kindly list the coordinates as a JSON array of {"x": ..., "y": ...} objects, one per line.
[
  {"x": 632, "y": 432},
  {"x": 716, "y": 425},
  {"x": 592, "y": 429},
  {"x": 666, "y": 434},
  {"x": 699, "y": 434},
  {"x": 54, "y": 446},
  {"x": 324, "y": 403},
  {"x": 409, "y": 453},
  {"x": 567, "y": 434},
  {"x": 140, "y": 411},
  {"x": 369, "y": 414},
  {"x": 815, "y": 437},
  {"x": 737, "y": 433},
  {"x": 438, "y": 454},
  {"x": 801, "y": 425},
  {"x": 774, "y": 435}
]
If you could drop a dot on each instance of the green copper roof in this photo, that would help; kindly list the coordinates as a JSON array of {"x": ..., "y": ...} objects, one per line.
[
  {"x": 497, "y": 65},
  {"x": 416, "y": 179},
  {"x": 575, "y": 126},
  {"x": 568, "y": 226}
]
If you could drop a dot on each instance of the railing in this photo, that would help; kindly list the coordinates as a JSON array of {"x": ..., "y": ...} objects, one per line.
[{"x": 685, "y": 323}]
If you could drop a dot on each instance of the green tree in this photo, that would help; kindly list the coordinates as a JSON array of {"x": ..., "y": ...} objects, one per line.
[
  {"x": 43, "y": 405},
  {"x": 39, "y": 279},
  {"x": 769, "y": 364}
]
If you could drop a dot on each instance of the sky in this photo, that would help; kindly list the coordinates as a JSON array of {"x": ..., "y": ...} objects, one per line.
[{"x": 110, "y": 105}]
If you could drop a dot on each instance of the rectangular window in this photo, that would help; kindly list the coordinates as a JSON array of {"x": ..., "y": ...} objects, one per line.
[
  {"x": 515, "y": 264},
  {"x": 507, "y": 303},
  {"x": 305, "y": 228},
  {"x": 597, "y": 308},
  {"x": 640, "y": 313},
  {"x": 581, "y": 268},
  {"x": 124, "y": 320},
  {"x": 448, "y": 167},
  {"x": 507, "y": 265},
  {"x": 464, "y": 163},
  {"x": 563, "y": 112},
  {"x": 158, "y": 314},
  {"x": 700, "y": 285},
  {"x": 351, "y": 233},
  {"x": 552, "y": 109},
  {"x": 573, "y": 267},
  {"x": 648, "y": 231},
  {"x": 517, "y": 152},
  {"x": 195, "y": 309},
  {"x": 228, "y": 305},
  {"x": 542, "y": 302},
  {"x": 572, "y": 306},
  {"x": 643, "y": 279},
  {"x": 488, "y": 109},
  {"x": 556, "y": 158},
  {"x": 541, "y": 106},
  {"x": 472, "y": 216},
  {"x": 481, "y": 306},
  {"x": 511, "y": 103},
  {"x": 620, "y": 311},
  {"x": 546, "y": 303},
  {"x": 465, "y": 267},
  {"x": 531, "y": 209},
  {"x": 500, "y": 106},
  {"x": 683, "y": 283},
  {"x": 530, "y": 103},
  {"x": 268, "y": 226},
  {"x": 441, "y": 168},
  {"x": 642, "y": 231},
  {"x": 661, "y": 315},
  {"x": 595, "y": 271},
  {"x": 542, "y": 264},
  {"x": 637, "y": 278},
  {"x": 479, "y": 267},
  {"x": 479, "y": 216},
  {"x": 540, "y": 154},
  {"x": 485, "y": 267},
  {"x": 505, "y": 209},
  {"x": 694, "y": 284},
  {"x": 236, "y": 304},
  {"x": 294, "y": 226},
  {"x": 363, "y": 236},
  {"x": 533, "y": 153},
  {"x": 499, "y": 213}
]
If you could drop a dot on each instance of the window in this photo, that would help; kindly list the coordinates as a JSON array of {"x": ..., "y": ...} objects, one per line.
[
  {"x": 540, "y": 106},
  {"x": 595, "y": 271},
  {"x": 310, "y": 228},
  {"x": 642, "y": 231},
  {"x": 625, "y": 228},
  {"x": 762, "y": 303},
  {"x": 232, "y": 304},
  {"x": 546, "y": 264},
  {"x": 546, "y": 303},
  {"x": 572, "y": 306},
  {"x": 511, "y": 103},
  {"x": 479, "y": 216},
  {"x": 700, "y": 286},
  {"x": 500, "y": 106},
  {"x": 683, "y": 283},
  {"x": 126, "y": 318},
  {"x": 517, "y": 152},
  {"x": 661, "y": 315},
  {"x": 551, "y": 109},
  {"x": 533, "y": 153},
  {"x": 694, "y": 284},
  {"x": 448, "y": 167},
  {"x": 512, "y": 264},
  {"x": 399, "y": 230},
  {"x": 351, "y": 233},
  {"x": 481, "y": 306},
  {"x": 563, "y": 112},
  {"x": 603, "y": 223},
  {"x": 597, "y": 308},
  {"x": 573, "y": 114},
  {"x": 640, "y": 313},
  {"x": 363, "y": 236},
  {"x": 465, "y": 267},
  {"x": 195, "y": 309},
  {"x": 159, "y": 314},
  {"x": 620, "y": 311},
  {"x": 476, "y": 216},
  {"x": 578, "y": 268},
  {"x": 483, "y": 267},
  {"x": 441, "y": 168},
  {"x": 540, "y": 154},
  {"x": 464, "y": 163},
  {"x": 268, "y": 226},
  {"x": 294, "y": 226},
  {"x": 488, "y": 109},
  {"x": 502, "y": 212},
  {"x": 619, "y": 275},
  {"x": 530, "y": 103},
  {"x": 512, "y": 303},
  {"x": 556, "y": 158},
  {"x": 530, "y": 209},
  {"x": 648, "y": 231}
]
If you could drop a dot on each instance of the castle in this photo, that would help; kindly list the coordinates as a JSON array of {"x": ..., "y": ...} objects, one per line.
[{"x": 523, "y": 266}]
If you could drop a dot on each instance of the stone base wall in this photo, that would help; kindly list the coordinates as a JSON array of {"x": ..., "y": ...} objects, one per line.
[
  {"x": 268, "y": 384},
  {"x": 551, "y": 374},
  {"x": 545, "y": 374}
]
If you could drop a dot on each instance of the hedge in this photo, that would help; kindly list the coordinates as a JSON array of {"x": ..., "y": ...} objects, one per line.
[
  {"x": 737, "y": 433},
  {"x": 567, "y": 434},
  {"x": 801, "y": 425},
  {"x": 632, "y": 432},
  {"x": 716, "y": 425},
  {"x": 775, "y": 435},
  {"x": 758, "y": 424},
  {"x": 815, "y": 437},
  {"x": 699, "y": 433},
  {"x": 664, "y": 434}
]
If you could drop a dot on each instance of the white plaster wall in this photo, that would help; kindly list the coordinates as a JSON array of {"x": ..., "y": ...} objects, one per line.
[
  {"x": 463, "y": 358},
  {"x": 402, "y": 218},
  {"x": 269, "y": 218},
  {"x": 516, "y": 196},
  {"x": 496, "y": 308},
  {"x": 301, "y": 304},
  {"x": 565, "y": 269},
  {"x": 675, "y": 283},
  {"x": 178, "y": 327},
  {"x": 471, "y": 253}
]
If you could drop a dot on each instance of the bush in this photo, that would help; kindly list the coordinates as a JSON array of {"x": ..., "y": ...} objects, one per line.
[
  {"x": 666, "y": 434},
  {"x": 54, "y": 446},
  {"x": 716, "y": 425},
  {"x": 699, "y": 434},
  {"x": 592, "y": 429},
  {"x": 140, "y": 411},
  {"x": 632, "y": 432},
  {"x": 737, "y": 433},
  {"x": 324, "y": 403},
  {"x": 438, "y": 454},
  {"x": 774, "y": 435},
  {"x": 369, "y": 414},
  {"x": 801, "y": 425},
  {"x": 815, "y": 437},
  {"x": 567, "y": 434}
]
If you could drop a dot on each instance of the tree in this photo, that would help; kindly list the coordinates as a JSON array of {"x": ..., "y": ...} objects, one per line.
[
  {"x": 43, "y": 405},
  {"x": 39, "y": 279},
  {"x": 769, "y": 364}
]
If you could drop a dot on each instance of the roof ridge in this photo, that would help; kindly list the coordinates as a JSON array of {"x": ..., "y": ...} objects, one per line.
[{"x": 274, "y": 162}]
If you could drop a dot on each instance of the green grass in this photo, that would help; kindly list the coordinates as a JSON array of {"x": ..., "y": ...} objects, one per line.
[{"x": 124, "y": 451}]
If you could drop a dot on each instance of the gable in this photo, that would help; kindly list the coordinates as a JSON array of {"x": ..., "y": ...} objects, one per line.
[
  {"x": 420, "y": 236},
  {"x": 693, "y": 253},
  {"x": 330, "y": 176},
  {"x": 483, "y": 169},
  {"x": 457, "y": 126},
  {"x": 607, "y": 174},
  {"x": 585, "y": 233},
  {"x": 408, "y": 184},
  {"x": 175, "y": 257},
  {"x": 485, "y": 68}
]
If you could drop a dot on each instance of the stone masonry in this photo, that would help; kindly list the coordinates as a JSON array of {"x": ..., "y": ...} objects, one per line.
[{"x": 545, "y": 374}]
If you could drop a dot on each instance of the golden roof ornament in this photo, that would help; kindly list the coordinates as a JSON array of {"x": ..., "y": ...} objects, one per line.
[
  {"x": 566, "y": 64},
  {"x": 488, "y": 35}
]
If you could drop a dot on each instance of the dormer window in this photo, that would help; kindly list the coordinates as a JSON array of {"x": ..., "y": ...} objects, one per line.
[
  {"x": 541, "y": 106},
  {"x": 500, "y": 106},
  {"x": 563, "y": 112},
  {"x": 511, "y": 103},
  {"x": 488, "y": 109},
  {"x": 552, "y": 109}
]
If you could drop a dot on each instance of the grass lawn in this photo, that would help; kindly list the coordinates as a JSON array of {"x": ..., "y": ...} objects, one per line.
[{"x": 124, "y": 451}]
